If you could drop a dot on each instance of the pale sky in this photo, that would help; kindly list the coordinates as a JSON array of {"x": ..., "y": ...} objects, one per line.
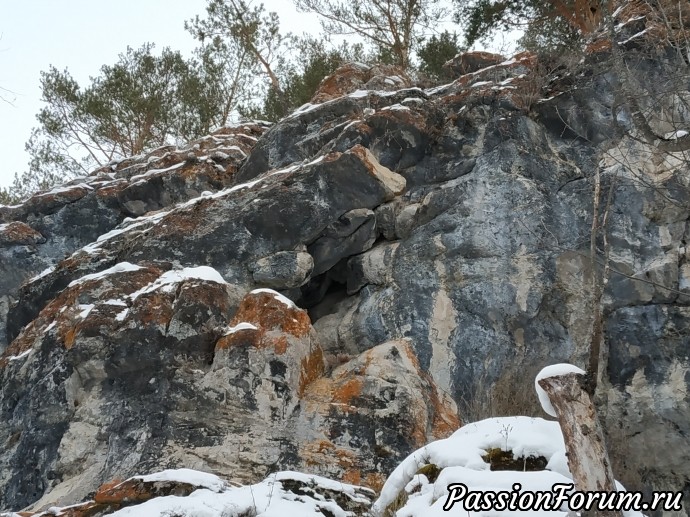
[{"x": 83, "y": 35}]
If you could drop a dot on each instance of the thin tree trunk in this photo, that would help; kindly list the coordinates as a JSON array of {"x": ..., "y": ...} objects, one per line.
[{"x": 597, "y": 290}]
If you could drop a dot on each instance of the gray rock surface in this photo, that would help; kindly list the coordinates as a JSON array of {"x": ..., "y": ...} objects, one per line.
[
  {"x": 38, "y": 233},
  {"x": 449, "y": 232},
  {"x": 283, "y": 270}
]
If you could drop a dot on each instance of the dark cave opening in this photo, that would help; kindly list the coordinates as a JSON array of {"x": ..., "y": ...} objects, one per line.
[{"x": 321, "y": 294}]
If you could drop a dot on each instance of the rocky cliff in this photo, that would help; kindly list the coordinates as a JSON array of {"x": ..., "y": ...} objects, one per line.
[{"x": 332, "y": 292}]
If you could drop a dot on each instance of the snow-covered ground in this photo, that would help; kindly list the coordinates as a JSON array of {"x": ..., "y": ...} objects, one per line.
[
  {"x": 284, "y": 494},
  {"x": 462, "y": 460}
]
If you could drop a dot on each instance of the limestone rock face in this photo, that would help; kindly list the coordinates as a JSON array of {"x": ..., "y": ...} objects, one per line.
[
  {"x": 139, "y": 368},
  {"x": 106, "y": 363},
  {"x": 381, "y": 398},
  {"x": 429, "y": 251},
  {"x": 48, "y": 227}
]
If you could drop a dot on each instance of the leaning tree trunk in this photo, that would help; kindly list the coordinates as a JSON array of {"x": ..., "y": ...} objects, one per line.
[{"x": 584, "y": 440}]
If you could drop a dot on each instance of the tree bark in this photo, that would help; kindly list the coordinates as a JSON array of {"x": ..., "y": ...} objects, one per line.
[{"x": 584, "y": 440}]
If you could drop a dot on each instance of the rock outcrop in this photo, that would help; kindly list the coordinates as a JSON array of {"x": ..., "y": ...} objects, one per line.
[
  {"x": 38, "y": 233},
  {"x": 357, "y": 76},
  {"x": 377, "y": 263},
  {"x": 470, "y": 62}
]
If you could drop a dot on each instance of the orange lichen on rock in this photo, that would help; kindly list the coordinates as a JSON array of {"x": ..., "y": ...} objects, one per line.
[
  {"x": 346, "y": 392},
  {"x": 598, "y": 45},
  {"x": 312, "y": 368},
  {"x": 353, "y": 476},
  {"x": 19, "y": 346},
  {"x": 112, "y": 189},
  {"x": 318, "y": 394},
  {"x": 527, "y": 58},
  {"x": 207, "y": 294},
  {"x": 314, "y": 453},
  {"x": 266, "y": 310},
  {"x": 320, "y": 452},
  {"x": 209, "y": 171},
  {"x": 280, "y": 344},
  {"x": 351, "y": 77},
  {"x": 346, "y": 79},
  {"x": 241, "y": 337},
  {"x": 411, "y": 355},
  {"x": 70, "y": 336},
  {"x": 52, "y": 199},
  {"x": 346, "y": 458},
  {"x": 273, "y": 320},
  {"x": 66, "y": 317},
  {"x": 123, "y": 492},
  {"x": 59, "y": 311},
  {"x": 136, "y": 490},
  {"x": 468, "y": 62},
  {"x": 403, "y": 119},
  {"x": 87, "y": 509},
  {"x": 153, "y": 309},
  {"x": 374, "y": 480},
  {"x": 445, "y": 418},
  {"x": 182, "y": 221},
  {"x": 19, "y": 234},
  {"x": 519, "y": 64},
  {"x": 104, "y": 491}
]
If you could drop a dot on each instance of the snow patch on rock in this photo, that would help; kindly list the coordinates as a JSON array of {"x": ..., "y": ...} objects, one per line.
[
  {"x": 277, "y": 296},
  {"x": 169, "y": 279},
  {"x": 553, "y": 370},
  {"x": 464, "y": 451},
  {"x": 121, "y": 267},
  {"x": 240, "y": 326},
  {"x": 192, "y": 477}
]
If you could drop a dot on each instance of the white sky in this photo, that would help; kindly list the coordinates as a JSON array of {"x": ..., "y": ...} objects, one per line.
[{"x": 83, "y": 35}]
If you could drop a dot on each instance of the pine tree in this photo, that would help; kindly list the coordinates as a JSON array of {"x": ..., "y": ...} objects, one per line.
[
  {"x": 142, "y": 101},
  {"x": 254, "y": 32},
  {"x": 395, "y": 28},
  {"x": 435, "y": 52},
  {"x": 549, "y": 24},
  {"x": 302, "y": 79}
]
